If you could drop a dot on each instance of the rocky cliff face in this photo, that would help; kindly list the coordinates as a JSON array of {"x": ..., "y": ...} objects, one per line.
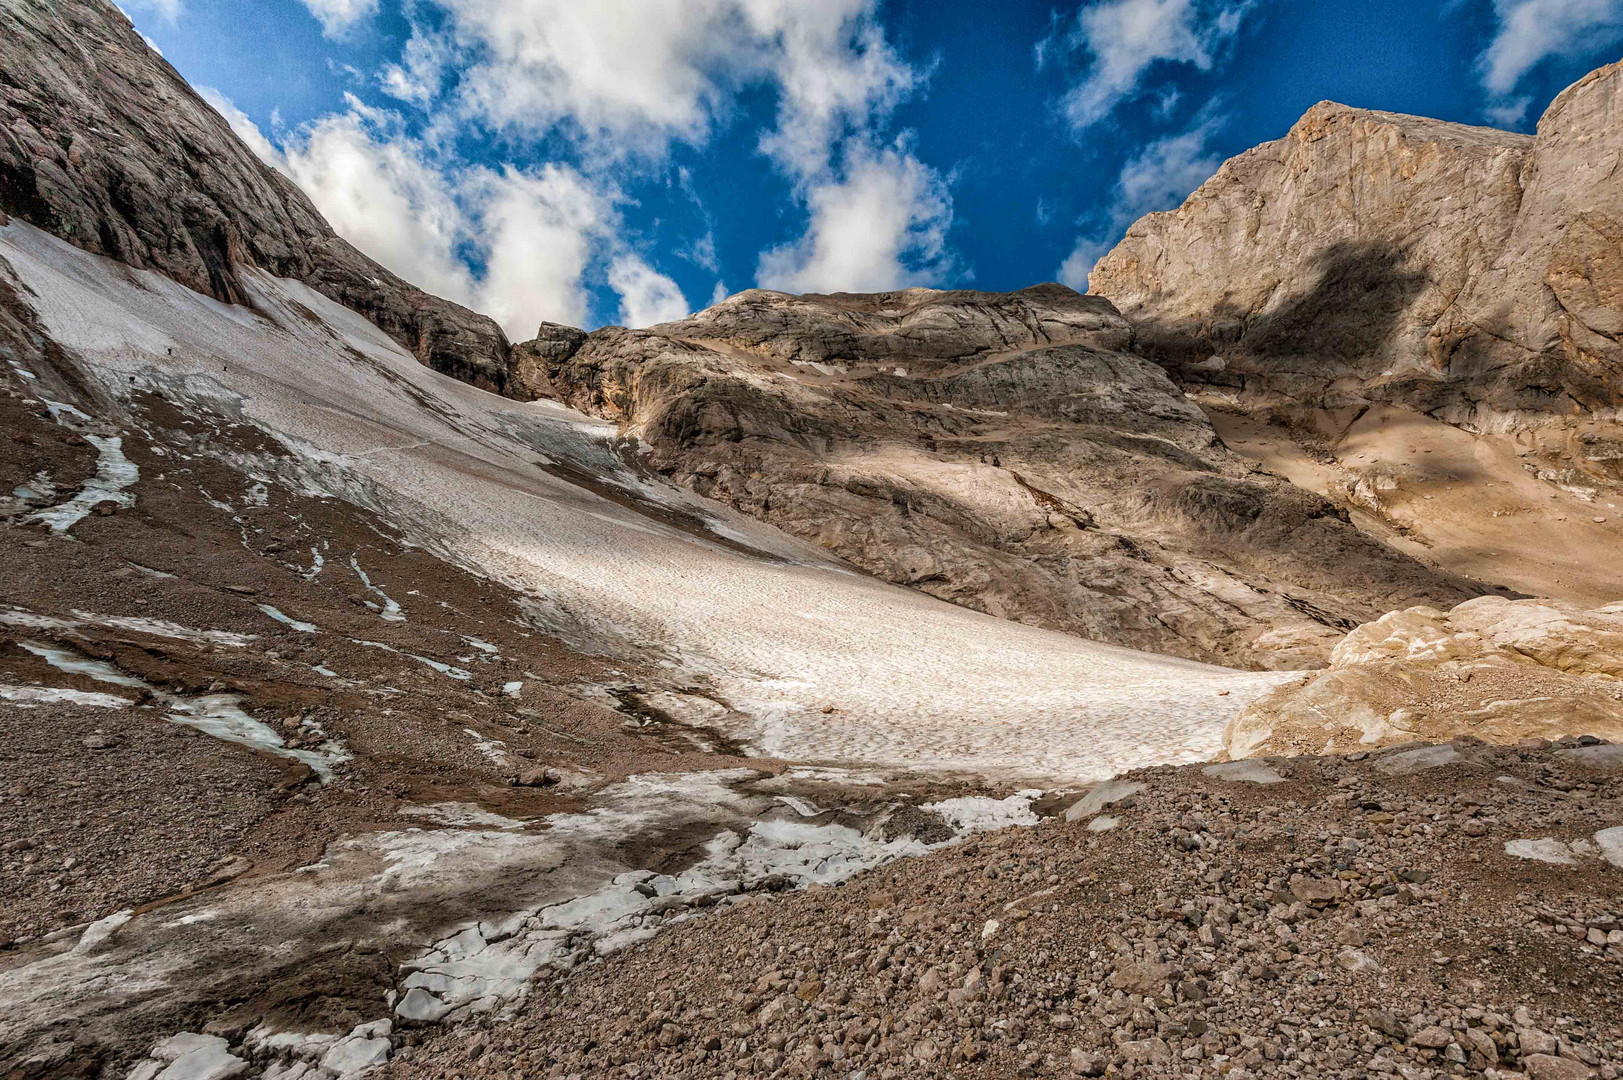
[
  {"x": 1474, "y": 275},
  {"x": 1002, "y": 451},
  {"x": 104, "y": 144}
]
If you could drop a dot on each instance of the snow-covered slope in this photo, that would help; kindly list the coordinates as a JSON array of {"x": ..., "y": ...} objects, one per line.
[{"x": 791, "y": 652}]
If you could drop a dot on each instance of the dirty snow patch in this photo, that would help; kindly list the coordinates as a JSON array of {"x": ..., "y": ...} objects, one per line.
[{"x": 288, "y": 620}]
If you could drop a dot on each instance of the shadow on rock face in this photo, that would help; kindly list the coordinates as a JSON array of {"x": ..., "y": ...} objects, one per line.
[{"x": 1342, "y": 327}]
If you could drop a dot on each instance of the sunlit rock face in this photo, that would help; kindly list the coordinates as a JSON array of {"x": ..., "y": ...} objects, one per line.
[
  {"x": 1469, "y": 273},
  {"x": 1007, "y": 452},
  {"x": 1500, "y": 670}
]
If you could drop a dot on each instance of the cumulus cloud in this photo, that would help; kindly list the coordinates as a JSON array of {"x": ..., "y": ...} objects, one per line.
[
  {"x": 338, "y": 16},
  {"x": 613, "y": 85},
  {"x": 1125, "y": 38},
  {"x": 1158, "y": 178},
  {"x": 637, "y": 74},
  {"x": 539, "y": 230},
  {"x": 627, "y": 78},
  {"x": 532, "y": 232},
  {"x": 1531, "y": 30},
  {"x": 646, "y": 296},
  {"x": 881, "y": 225}
]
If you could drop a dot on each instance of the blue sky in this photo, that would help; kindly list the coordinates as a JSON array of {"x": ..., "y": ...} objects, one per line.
[{"x": 629, "y": 161}]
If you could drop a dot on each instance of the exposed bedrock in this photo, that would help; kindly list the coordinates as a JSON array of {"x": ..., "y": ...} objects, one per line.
[
  {"x": 1002, "y": 451},
  {"x": 1368, "y": 257}
]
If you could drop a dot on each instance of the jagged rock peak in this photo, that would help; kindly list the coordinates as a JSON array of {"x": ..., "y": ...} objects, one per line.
[
  {"x": 1373, "y": 257},
  {"x": 105, "y": 145}
]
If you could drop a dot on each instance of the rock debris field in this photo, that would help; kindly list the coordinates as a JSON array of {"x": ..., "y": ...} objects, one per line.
[{"x": 1425, "y": 912}]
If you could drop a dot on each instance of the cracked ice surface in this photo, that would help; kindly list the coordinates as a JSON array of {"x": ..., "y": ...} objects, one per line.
[
  {"x": 776, "y": 636},
  {"x": 487, "y": 963}
]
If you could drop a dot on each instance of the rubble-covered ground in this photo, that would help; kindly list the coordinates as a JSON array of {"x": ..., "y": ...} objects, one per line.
[{"x": 1451, "y": 910}]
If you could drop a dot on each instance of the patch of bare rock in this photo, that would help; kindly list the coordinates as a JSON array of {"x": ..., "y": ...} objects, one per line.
[
  {"x": 1344, "y": 920},
  {"x": 1501, "y": 670}
]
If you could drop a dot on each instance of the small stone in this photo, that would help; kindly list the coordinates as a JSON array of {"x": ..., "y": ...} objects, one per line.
[
  {"x": 538, "y": 778},
  {"x": 1534, "y": 1040},
  {"x": 1086, "y": 1064},
  {"x": 1432, "y": 1038}
]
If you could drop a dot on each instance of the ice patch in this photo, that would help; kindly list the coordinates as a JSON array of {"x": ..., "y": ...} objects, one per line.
[
  {"x": 391, "y": 610},
  {"x": 513, "y": 689},
  {"x": 494, "y": 749},
  {"x": 461, "y": 814},
  {"x": 482, "y": 646},
  {"x": 219, "y": 715},
  {"x": 484, "y": 964},
  {"x": 287, "y": 620},
  {"x": 50, "y": 695},
  {"x": 74, "y": 664},
  {"x": 114, "y": 474},
  {"x": 980, "y": 813},
  {"x": 155, "y": 627},
  {"x": 444, "y": 669}
]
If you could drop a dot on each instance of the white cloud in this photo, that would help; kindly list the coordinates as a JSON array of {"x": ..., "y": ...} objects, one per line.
[
  {"x": 834, "y": 71},
  {"x": 1127, "y": 37},
  {"x": 533, "y": 233},
  {"x": 1510, "y": 113},
  {"x": 420, "y": 75},
  {"x": 631, "y": 76},
  {"x": 1159, "y": 178},
  {"x": 379, "y": 191},
  {"x": 882, "y": 225},
  {"x": 539, "y": 232},
  {"x": 1531, "y": 30},
  {"x": 169, "y": 9},
  {"x": 245, "y": 129},
  {"x": 338, "y": 16},
  {"x": 647, "y": 297}
]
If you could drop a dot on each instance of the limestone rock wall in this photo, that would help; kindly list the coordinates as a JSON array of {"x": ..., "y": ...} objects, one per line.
[{"x": 1473, "y": 274}]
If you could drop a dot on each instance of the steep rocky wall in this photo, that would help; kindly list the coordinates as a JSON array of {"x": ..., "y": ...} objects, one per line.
[
  {"x": 1001, "y": 451},
  {"x": 1472, "y": 274},
  {"x": 104, "y": 144}
]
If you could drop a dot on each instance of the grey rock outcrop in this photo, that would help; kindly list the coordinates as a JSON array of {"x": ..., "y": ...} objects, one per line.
[
  {"x": 1367, "y": 257},
  {"x": 104, "y": 144},
  {"x": 1001, "y": 451}
]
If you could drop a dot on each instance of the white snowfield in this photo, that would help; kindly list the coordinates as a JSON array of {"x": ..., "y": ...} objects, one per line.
[{"x": 766, "y": 624}]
